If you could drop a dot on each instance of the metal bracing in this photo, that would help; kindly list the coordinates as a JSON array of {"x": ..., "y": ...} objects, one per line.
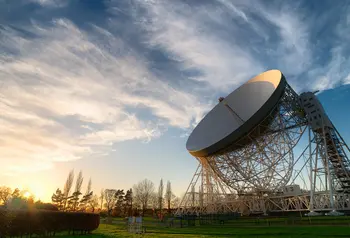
[
  {"x": 266, "y": 162},
  {"x": 206, "y": 194},
  {"x": 251, "y": 177}
]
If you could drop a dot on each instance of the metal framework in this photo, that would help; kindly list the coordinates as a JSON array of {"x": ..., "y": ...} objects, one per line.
[
  {"x": 267, "y": 161},
  {"x": 206, "y": 193},
  {"x": 264, "y": 175}
]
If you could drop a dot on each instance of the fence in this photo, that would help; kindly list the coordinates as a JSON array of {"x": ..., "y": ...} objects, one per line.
[{"x": 235, "y": 221}]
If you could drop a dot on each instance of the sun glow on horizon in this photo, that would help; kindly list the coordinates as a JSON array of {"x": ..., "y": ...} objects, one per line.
[
  {"x": 35, "y": 190},
  {"x": 39, "y": 192},
  {"x": 27, "y": 194}
]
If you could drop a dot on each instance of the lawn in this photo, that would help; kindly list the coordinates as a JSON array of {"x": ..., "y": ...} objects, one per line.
[{"x": 154, "y": 230}]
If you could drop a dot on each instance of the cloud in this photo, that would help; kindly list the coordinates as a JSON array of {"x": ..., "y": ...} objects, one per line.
[
  {"x": 335, "y": 69},
  {"x": 293, "y": 50},
  {"x": 347, "y": 79},
  {"x": 332, "y": 74},
  {"x": 180, "y": 30},
  {"x": 234, "y": 10},
  {"x": 70, "y": 91},
  {"x": 51, "y": 3},
  {"x": 65, "y": 97},
  {"x": 282, "y": 33},
  {"x": 227, "y": 42}
]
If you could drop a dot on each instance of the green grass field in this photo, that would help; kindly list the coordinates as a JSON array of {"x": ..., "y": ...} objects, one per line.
[
  {"x": 154, "y": 229},
  {"x": 117, "y": 231}
]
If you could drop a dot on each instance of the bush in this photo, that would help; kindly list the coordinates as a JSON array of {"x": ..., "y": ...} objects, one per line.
[
  {"x": 103, "y": 214},
  {"x": 41, "y": 222},
  {"x": 45, "y": 206}
]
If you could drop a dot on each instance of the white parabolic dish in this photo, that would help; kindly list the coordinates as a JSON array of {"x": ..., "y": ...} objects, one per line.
[{"x": 237, "y": 114}]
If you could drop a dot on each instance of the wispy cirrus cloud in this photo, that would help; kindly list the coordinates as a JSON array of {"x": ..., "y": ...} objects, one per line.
[
  {"x": 75, "y": 85},
  {"x": 334, "y": 70},
  {"x": 228, "y": 41},
  {"x": 293, "y": 50},
  {"x": 64, "y": 97},
  {"x": 51, "y": 3},
  {"x": 181, "y": 31}
]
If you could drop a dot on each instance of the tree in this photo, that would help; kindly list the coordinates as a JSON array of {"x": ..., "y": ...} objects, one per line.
[
  {"x": 119, "y": 205},
  {"x": 168, "y": 195},
  {"x": 88, "y": 189},
  {"x": 93, "y": 203},
  {"x": 153, "y": 201},
  {"x": 102, "y": 198},
  {"x": 160, "y": 195},
  {"x": 5, "y": 194},
  {"x": 87, "y": 196},
  {"x": 74, "y": 200},
  {"x": 16, "y": 193},
  {"x": 85, "y": 201},
  {"x": 110, "y": 198},
  {"x": 58, "y": 199},
  {"x": 17, "y": 203},
  {"x": 175, "y": 201},
  {"x": 128, "y": 202},
  {"x": 142, "y": 193},
  {"x": 67, "y": 188}
]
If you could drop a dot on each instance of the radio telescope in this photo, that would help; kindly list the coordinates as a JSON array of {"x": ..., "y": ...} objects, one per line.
[{"x": 246, "y": 148}]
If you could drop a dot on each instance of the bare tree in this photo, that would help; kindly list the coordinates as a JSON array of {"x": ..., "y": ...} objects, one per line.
[
  {"x": 68, "y": 187},
  {"x": 5, "y": 194},
  {"x": 160, "y": 195},
  {"x": 142, "y": 192},
  {"x": 110, "y": 199},
  {"x": 175, "y": 202},
  {"x": 168, "y": 195},
  {"x": 153, "y": 201},
  {"x": 102, "y": 198}
]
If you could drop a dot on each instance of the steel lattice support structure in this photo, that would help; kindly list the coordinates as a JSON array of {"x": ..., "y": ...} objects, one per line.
[
  {"x": 206, "y": 193},
  {"x": 267, "y": 161},
  {"x": 254, "y": 177}
]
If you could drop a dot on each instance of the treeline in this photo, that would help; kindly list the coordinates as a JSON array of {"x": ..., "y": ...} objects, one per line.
[
  {"x": 118, "y": 202},
  {"x": 147, "y": 196},
  {"x": 17, "y": 199},
  {"x": 142, "y": 197}
]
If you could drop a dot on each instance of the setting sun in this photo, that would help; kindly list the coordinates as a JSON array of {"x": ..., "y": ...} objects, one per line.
[{"x": 27, "y": 194}]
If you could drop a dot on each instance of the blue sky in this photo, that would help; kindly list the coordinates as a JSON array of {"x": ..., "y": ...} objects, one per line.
[{"x": 114, "y": 87}]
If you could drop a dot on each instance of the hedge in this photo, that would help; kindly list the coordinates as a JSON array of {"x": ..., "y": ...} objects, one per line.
[{"x": 40, "y": 222}]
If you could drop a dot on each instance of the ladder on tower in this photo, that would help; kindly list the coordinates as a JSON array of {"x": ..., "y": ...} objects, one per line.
[
  {"x": 338, "y": 159},
  {"x": 328, "y": 137}
]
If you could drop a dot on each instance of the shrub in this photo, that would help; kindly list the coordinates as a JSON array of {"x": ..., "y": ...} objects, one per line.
[
  {"x": 45, "y": 206},
  {"x": 103, "y": 214},
  {"x": 41, "y": 222}
]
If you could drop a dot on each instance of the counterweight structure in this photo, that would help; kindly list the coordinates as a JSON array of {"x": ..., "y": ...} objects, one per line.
[{"x": 278, "y": 152}]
